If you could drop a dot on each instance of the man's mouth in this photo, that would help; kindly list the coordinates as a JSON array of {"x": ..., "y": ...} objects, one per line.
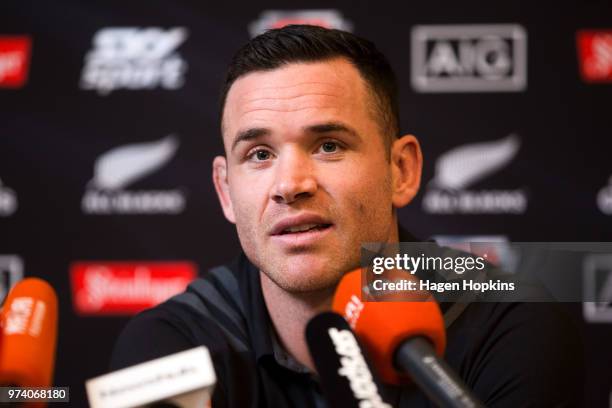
[{"x": 304, "y": 228}]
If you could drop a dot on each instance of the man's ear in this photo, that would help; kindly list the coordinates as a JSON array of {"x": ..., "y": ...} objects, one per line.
[
  {"x": 406, "y": 166},
  {"x": 222, "y": 187}
]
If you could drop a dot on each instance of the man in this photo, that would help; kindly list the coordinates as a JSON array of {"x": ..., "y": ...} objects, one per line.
[{"x": 314, "y": 167}]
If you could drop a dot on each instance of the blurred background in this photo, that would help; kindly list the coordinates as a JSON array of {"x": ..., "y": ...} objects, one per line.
[{"x": 109, "y": 123}]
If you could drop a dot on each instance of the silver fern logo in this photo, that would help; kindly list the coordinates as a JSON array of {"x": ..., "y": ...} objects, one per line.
[
  {"x": 8, "y": 201},
  {"x": 604, "y": 198},
  {"x": 120, "y": 167},
  {"x": 463, "y": 166}
]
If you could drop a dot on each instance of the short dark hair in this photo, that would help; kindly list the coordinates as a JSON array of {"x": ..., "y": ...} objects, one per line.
[{"x": 305, "y": 43}]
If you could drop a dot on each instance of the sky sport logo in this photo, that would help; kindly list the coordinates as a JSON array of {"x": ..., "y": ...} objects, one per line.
[
  {"x": 14, "y": 60},
  {"x": 463, "y": 166},
  {"x": 469, "y": 58},
  {"x": 595, "y": 55},
  {"x": 135, "y": 58},
  {"x": 270, "y": 19},
  {"x": 118, "y": 168}
]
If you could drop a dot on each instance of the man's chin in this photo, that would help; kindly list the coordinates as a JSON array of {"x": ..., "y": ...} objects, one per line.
[{"x": 303, "y": 279}]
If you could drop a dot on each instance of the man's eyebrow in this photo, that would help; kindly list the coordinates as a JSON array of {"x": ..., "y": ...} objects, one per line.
[
  {"x": 254, "y": 133},
  {"x": 331, "y": 127},
  {"x": 249, "y": 134}
]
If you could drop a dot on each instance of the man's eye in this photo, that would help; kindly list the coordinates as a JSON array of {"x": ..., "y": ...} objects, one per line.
[
  {"x": 260, "y": 155},
  {"x": 329, "y": 147}
]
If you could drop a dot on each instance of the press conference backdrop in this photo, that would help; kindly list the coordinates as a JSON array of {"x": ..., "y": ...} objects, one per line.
[{"x": 109, "y": 124}]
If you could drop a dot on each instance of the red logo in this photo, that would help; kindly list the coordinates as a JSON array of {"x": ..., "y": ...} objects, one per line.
[
  {"x": 327, "y": 18},
  {"x": 126, "y": 288},
  {"x": 595, "y": 55},
  {"x": 14, "y": 60}
]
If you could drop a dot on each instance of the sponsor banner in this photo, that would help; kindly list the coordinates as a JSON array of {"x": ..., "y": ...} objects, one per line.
[
  {"x": 469, "y": 58},
  {"x": 8, "y": 201},
  {"x": 459, "y": 168},
  {"x": 11, "y": 272},
  {"x": 597, "y": 288},
  {"x": 270, "y": 19},
  {"x": 135, "y": 58},
  {"x": 595, "y": 55},
  {"x": 121, "y": 166},
  {"x": 604, "y": 198},
  {"x": 126, "y": 288},
  {"x": 495, "y": 249},
  {"x": 14, "y": 60}
]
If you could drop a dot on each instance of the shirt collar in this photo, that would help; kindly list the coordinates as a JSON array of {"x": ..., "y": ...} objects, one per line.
[
  {"x": 266, "y": 345},
  {"x": 261, "y": 331}
]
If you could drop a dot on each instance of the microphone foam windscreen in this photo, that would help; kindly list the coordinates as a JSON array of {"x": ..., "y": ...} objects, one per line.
[
  {"x": 29, "y": 334},
  {"x": 382, "y": 326}
]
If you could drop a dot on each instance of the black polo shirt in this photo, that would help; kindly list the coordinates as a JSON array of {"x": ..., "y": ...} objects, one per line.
[{"x": 509, "y": 354}]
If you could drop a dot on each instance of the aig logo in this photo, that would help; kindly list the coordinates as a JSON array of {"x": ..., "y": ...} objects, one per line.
[{"x": 469, "y": 58}]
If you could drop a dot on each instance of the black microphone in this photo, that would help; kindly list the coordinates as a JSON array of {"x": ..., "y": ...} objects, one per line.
[
  {"x": 416, "y": 356},
  {"x": 405, "y": 338},
  {"x": 346, "y": 377}
]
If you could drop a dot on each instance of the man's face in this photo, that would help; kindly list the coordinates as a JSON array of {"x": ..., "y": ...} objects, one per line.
[{"x": 306, "y": 179}]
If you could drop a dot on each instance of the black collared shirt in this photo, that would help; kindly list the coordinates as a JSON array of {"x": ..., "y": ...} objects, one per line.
[{"x": 509, "y": 354}]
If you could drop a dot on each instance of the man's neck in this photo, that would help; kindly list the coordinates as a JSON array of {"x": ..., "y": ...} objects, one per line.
[{"x": 290, "y": 312}]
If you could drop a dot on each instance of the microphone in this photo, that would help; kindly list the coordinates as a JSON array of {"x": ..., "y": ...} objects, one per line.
[
  {"x": 404, "y": 338},
  {"x": 345, "y": 376},
  {"x": 29, "y": 335},
  {"x": 183, "y": 380}
]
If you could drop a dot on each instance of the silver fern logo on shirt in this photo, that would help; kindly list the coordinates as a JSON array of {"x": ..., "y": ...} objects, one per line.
[
  {"x": 464, "y": 166},
  {"x": 120, "y": 167}
]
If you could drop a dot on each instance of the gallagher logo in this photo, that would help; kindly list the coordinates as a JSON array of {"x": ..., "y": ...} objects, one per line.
[
  {"x": 595, "y": 55},
  {"x": 463, "y": 166},
  {"x": 469, "y": 58},
  {"x": 135, "y": 58},
  {"x": 270, "y": 19},
  {"x": 119, "y": 167},
  {"x": 14, "y": 60},
  {"x": 126, "y": 288}
]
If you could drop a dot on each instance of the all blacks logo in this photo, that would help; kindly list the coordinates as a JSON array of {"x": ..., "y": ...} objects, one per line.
[
  {"x": 469, "y": 58},
  {"x": 8, "y": 201}
]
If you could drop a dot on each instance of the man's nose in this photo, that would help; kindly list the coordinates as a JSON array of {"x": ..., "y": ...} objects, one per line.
[{"x": 294, "y": 178}]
